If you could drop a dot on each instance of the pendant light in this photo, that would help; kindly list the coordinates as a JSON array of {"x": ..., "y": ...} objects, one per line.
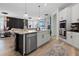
[
  {"x": 25, "y": 12},
  {"x": 39, "y": 12},
  {"x": 25, "y": 15},
  {"x": 45, "y": 4}
]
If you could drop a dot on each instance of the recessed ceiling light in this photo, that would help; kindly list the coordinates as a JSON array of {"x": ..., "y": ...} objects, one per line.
[
  {"x": 4, "y": 13},
  {"x": 45, "y": 4},
  {"x": 46, "y": 14}
]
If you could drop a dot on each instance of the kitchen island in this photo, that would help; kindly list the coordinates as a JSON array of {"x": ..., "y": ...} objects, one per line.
[
  {"x": 26, "y": 40},
  {"x": 29, "y": 40}
]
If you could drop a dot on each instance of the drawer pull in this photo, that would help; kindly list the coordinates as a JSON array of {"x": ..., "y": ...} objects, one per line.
[
  {"x": 71, "y": 36},
  {"x": 42, "y": 36}
]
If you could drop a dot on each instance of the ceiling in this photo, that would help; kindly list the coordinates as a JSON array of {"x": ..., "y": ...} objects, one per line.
[{"x": 18, "y": 9}]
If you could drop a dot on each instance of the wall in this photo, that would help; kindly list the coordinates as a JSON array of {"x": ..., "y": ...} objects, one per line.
[
  {"x": 33, "y": 23},
  {"x": 54, "y": 32},
  {"x": 55, "y": 24}
]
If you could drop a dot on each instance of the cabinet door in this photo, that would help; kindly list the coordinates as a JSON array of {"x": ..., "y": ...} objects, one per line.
[
  {"x": 75, "y": 13},
  {"x": 76, "y": 39},
  {"x": 65, "y": 13},
  {"x": 31, "y": 42},
  {"x": 40, "y": 38},
  {"x": 46, "y": 36},
  {"x": 70, "y": 37},
  {"x": 68, "y": 18},
  {"x": 60, "y": 16}
]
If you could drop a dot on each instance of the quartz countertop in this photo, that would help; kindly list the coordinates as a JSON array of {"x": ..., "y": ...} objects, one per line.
[
  {"x": 43, "y": 30},
  {"x": 25, "y": 31},
  {"x": 22, "y": 31}
]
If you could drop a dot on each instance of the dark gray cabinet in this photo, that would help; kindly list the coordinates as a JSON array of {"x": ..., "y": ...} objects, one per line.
[
  {"x": 19, "y": 43},
  {"x": 26, "y": 43},
  {"x": 31, "y": 42}
]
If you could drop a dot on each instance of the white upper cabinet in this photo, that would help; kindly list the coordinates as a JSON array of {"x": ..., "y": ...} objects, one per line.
[
  {"x": 65, "y": 14},
  {"x": 75, "y": 13},
  {"x": 60, "y": 16}
]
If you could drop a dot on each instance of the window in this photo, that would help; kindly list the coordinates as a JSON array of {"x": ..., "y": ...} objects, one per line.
[{"x": 1, "y": 23}]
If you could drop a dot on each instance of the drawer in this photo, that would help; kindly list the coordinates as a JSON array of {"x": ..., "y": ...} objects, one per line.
[{"x": 31, "y": 35}]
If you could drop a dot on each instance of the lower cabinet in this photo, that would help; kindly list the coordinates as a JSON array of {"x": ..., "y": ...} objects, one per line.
[
  {"x": 30, "y": 42},
  {"x": 42, "y": 37},
  {"x": 26, "y": 43},
  {"x": 19, "y": 43},
  {"x": 76, "y": 39},
  {"x": 69, "y": 37},
  {"x": 73, "y": 38}
]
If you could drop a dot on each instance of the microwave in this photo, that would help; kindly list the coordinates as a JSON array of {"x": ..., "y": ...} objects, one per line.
[{"x": 75, "y": 27}]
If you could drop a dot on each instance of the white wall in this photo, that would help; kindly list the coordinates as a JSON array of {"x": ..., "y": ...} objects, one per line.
[{"x": 55, "y": 24}]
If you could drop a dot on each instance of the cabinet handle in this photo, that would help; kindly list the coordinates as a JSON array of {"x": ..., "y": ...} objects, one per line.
[
  {"x": 77, "y": 19},
  {"x": 42, "y": 36},
  {"x": 71, "y": 36}
]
